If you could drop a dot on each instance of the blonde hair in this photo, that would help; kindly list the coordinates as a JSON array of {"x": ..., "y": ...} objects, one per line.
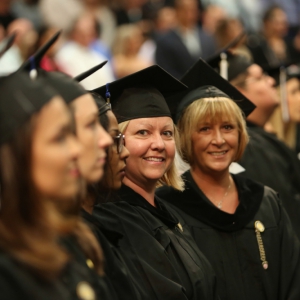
[
  {"x": 215, "y": 109},
  {"x": 286, "y": 132},
  {"x": 171, "y": 177},
  {"x": 123, "y": 36}
]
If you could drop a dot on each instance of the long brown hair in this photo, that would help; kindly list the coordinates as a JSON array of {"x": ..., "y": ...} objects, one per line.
[{"x": 28, "y": 225}]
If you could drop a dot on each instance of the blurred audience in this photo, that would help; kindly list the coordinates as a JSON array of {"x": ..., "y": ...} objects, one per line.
[
  {"x": 105, "y": 18},
  {"x": 60, "y": 14},
  {"x": 6, "y": 14},
  {"x": 77, "y": 55},
  {"x": 28, "y": 9},
  {"x": 291, "y": 8},
  {"x": 211, "y": 17},
  {"x": 129, "y": 11},
  {"x": 165, "y": 19},
  {"x": 227, "y": 30},
  {"x": 22, "y": 48},
  {"x": 126, "y": 59},
  {"x": 179, "y": 48},
  {"x": 48, "y": 62},
  {"x": 270, "y": 47}
]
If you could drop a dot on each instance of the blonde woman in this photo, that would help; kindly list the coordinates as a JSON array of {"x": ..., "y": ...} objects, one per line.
[
  {"x": 239, "y": 224},
  {"x": 168, "y": 262},
  {"x": 125, "y": 51}
]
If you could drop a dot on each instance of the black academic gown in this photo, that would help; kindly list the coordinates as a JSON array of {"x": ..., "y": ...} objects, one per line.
[
  {"x": 168, "y": 263},
  {"x": 115, "y": 267},
  {"x": 229, "y": 240},
  {"x": 76, "y": 282},
  {"x": 269, "y": 161}
]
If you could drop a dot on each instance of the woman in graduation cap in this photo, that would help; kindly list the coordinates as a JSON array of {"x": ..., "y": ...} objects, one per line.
[
  {"x": 38, "y": 173},
  {"x": 239, "y": 224},
  {"x": 116, "y": 265},
  {"x": 93, "y": 140},
  {"x": 91, "y": 164},
  {"x": 285, "y": 118},
  {"x": 168, "y": 262}
]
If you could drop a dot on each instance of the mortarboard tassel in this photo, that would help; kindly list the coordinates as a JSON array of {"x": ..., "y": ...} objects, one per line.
[
  {"x": 107, "y": 95},
  {"x": 33, "y": 71},
  {"x": 283, "y": 95},
  {"x": 224, "y": 65}
]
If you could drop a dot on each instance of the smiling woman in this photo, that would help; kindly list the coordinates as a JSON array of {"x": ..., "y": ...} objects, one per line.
[
  {"x": 163, "y": 259},
  {"x": 237, "y": 223}
]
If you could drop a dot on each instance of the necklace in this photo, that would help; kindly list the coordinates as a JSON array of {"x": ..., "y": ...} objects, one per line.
[{"x": 219, "y": 204}]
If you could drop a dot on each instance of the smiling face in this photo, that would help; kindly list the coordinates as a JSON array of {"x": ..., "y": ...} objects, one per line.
[
  {"x": 93, "y": 138},
  {"x": 54, "y": 152},
  {"x": 151, "y": 144},
  {"x": 293, "y": 96},
  {"x": 215, "y": 145},
  {"x": 116, "y": 161}
]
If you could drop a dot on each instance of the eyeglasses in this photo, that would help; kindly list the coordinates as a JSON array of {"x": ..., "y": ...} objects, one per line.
[{"x": 119, "y": 142}]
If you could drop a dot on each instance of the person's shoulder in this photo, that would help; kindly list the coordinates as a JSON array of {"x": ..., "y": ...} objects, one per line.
[
  {"x": 167, "y": 192},
  {"x": 163, "y": 38}
]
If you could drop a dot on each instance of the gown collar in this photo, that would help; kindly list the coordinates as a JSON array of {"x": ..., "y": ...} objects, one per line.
[
  {"x": 195, "y": 203},
  {"x": 160, "y": 211}
]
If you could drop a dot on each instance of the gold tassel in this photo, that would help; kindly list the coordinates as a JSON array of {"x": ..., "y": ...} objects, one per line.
[{"x": 259, "y": 227}]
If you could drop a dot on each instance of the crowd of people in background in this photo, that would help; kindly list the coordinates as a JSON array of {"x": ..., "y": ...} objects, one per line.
[{"x": 138, "y": 33}]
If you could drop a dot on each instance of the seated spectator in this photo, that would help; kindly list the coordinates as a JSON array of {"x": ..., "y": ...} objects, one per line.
[
  {"x": 129, "y": 11},
  {"x": 105, "y": 17},
  {"x": 60, "y": 14},
  {"x": 28, "y": 9},
  {"x": 22, "y": 48},
  {"x": 6, "y": 14},
  {"x": 227, "y": 30},
  {"x": 179, "y": 48},
  {"x": 211, "y": 17},
  {"x": 76, "y": 56},
  {"x": 125, "y": 51},
  {"x": 270, "y": 47}
]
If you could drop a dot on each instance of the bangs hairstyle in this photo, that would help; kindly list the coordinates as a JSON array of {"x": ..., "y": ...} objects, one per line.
[
  {"x": 214, "y": 109},
  {"x": 172, "y": 176}
]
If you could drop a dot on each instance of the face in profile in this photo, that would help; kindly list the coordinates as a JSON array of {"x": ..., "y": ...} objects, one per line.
[
  {"x": 151, "y": 144},
  {"x": 260, "y": 89},
  {"x": 293, "y": 97},
  {"x": 215, "y": 145},
  {"x": 117, "y": 155},
  {"x": 93, "y": 138},
  {"x": 54, "y": 152}
]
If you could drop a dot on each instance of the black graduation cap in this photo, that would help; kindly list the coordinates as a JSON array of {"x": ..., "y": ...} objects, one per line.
[
  {"x": 282, "y": 74},
  {"x": 8, "y": 44},
  {"x": 20, "y": 98},
  {"x": 227, "y": 64},
  {"x": 204, "y": 82},
  {"x": 67, "y": 87},
  {"x": 237, "y": 64},
  {"x": 291, "y": 71},
  {"x": 143, "y": 94},
  {"x": 89, "y": 72},
  {"x": 102, "y": 105},
  {"x": 33, "y": 62}
]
